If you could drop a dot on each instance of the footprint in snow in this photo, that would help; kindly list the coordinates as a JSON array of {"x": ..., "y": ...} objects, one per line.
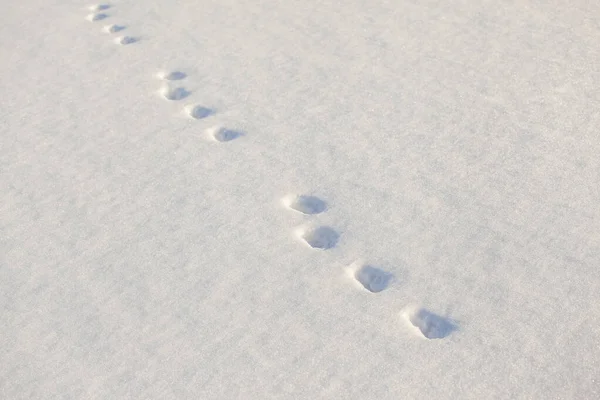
[
  {"x": 113, "y": 28},
  {"x": 96, "y": 17},
  {"x": 174, "y": 93},
  {"x": 198, "y": 112},
  {"x": 172, "y": 75},
  {"x": 428, "y": 324},
  {"x": 99, "y": 7},
  {"x": 124, "y": 40},
  {"x": 371, "y": 278},
  {"x": 305, "y": 204},
  {"x": 321, "y": 238},
  {"x": 222, "y": 134}
]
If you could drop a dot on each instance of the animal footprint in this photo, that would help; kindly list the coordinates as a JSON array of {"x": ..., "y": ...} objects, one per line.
[
  {"x": 198, "y": 112},
  {"x": 373, "y": 279},
  {"x": 123, "y": 40},
  {"x": 113, "y": 28},
  {"x": 321, "y": 238},
  {"x": 221, "y": 134},
  {"x": 174, "y": 93},
  {"x": 430, "y": 325},
  {"x": 172, "y": 76},
  {"x": 99, "y": 7},
  {"x": 305, "y": 204},
  {"x": 96, "y": 17}
]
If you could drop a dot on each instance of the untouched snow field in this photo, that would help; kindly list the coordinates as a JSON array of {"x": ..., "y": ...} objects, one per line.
[{"x": 261, "y": 199}]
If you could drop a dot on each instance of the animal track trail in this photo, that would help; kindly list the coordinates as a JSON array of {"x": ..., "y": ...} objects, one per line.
[
  {"x": 174, "y": 92},
  {"x": 371, "y": 278},
  {"x": 98, "y": 15},
  {"x": 429, "y": 324},
  {"x": 305, "y": 204},
  {"x": 316, "y": 237}
]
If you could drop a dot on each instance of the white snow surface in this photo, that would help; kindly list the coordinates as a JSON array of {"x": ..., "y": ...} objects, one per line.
[{"x": 456, "y": 147}]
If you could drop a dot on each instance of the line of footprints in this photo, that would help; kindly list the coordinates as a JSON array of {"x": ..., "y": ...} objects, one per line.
[
  {"x": 99, "y": 13},
  {"x": 169, "y": 90},
  {"x": 372, "y": 279},
  {"x": 173, "y": 91}
]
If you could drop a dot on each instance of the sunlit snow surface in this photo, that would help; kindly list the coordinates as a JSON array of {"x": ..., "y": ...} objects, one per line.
[{"x": 300, "y": 200}]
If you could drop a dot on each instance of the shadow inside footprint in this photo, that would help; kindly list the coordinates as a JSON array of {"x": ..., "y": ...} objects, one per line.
[
  {"x": 373, "y": 279},
  {"x": 322, "y": 238},
  {"x": 199, "y": 112},
  {"x": 99, "y": 7},
  {"x": 174, "y": 93},
  {"x": 114, "y": 28},
  {"x": 306, "y": 204},
  {"x": 97, "y": 17},
  {"x": 431, "y": 326},
  {"x": 173, "y": 76},
  {"x": 221, "y": 134},
  {"x": 124, "y": 40}
]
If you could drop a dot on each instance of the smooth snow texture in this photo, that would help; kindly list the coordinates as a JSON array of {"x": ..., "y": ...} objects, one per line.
[{"x": 145, "y": 253}]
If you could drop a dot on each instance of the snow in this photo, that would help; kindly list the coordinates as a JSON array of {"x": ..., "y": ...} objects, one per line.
[{"x": 300, "y": 199}]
